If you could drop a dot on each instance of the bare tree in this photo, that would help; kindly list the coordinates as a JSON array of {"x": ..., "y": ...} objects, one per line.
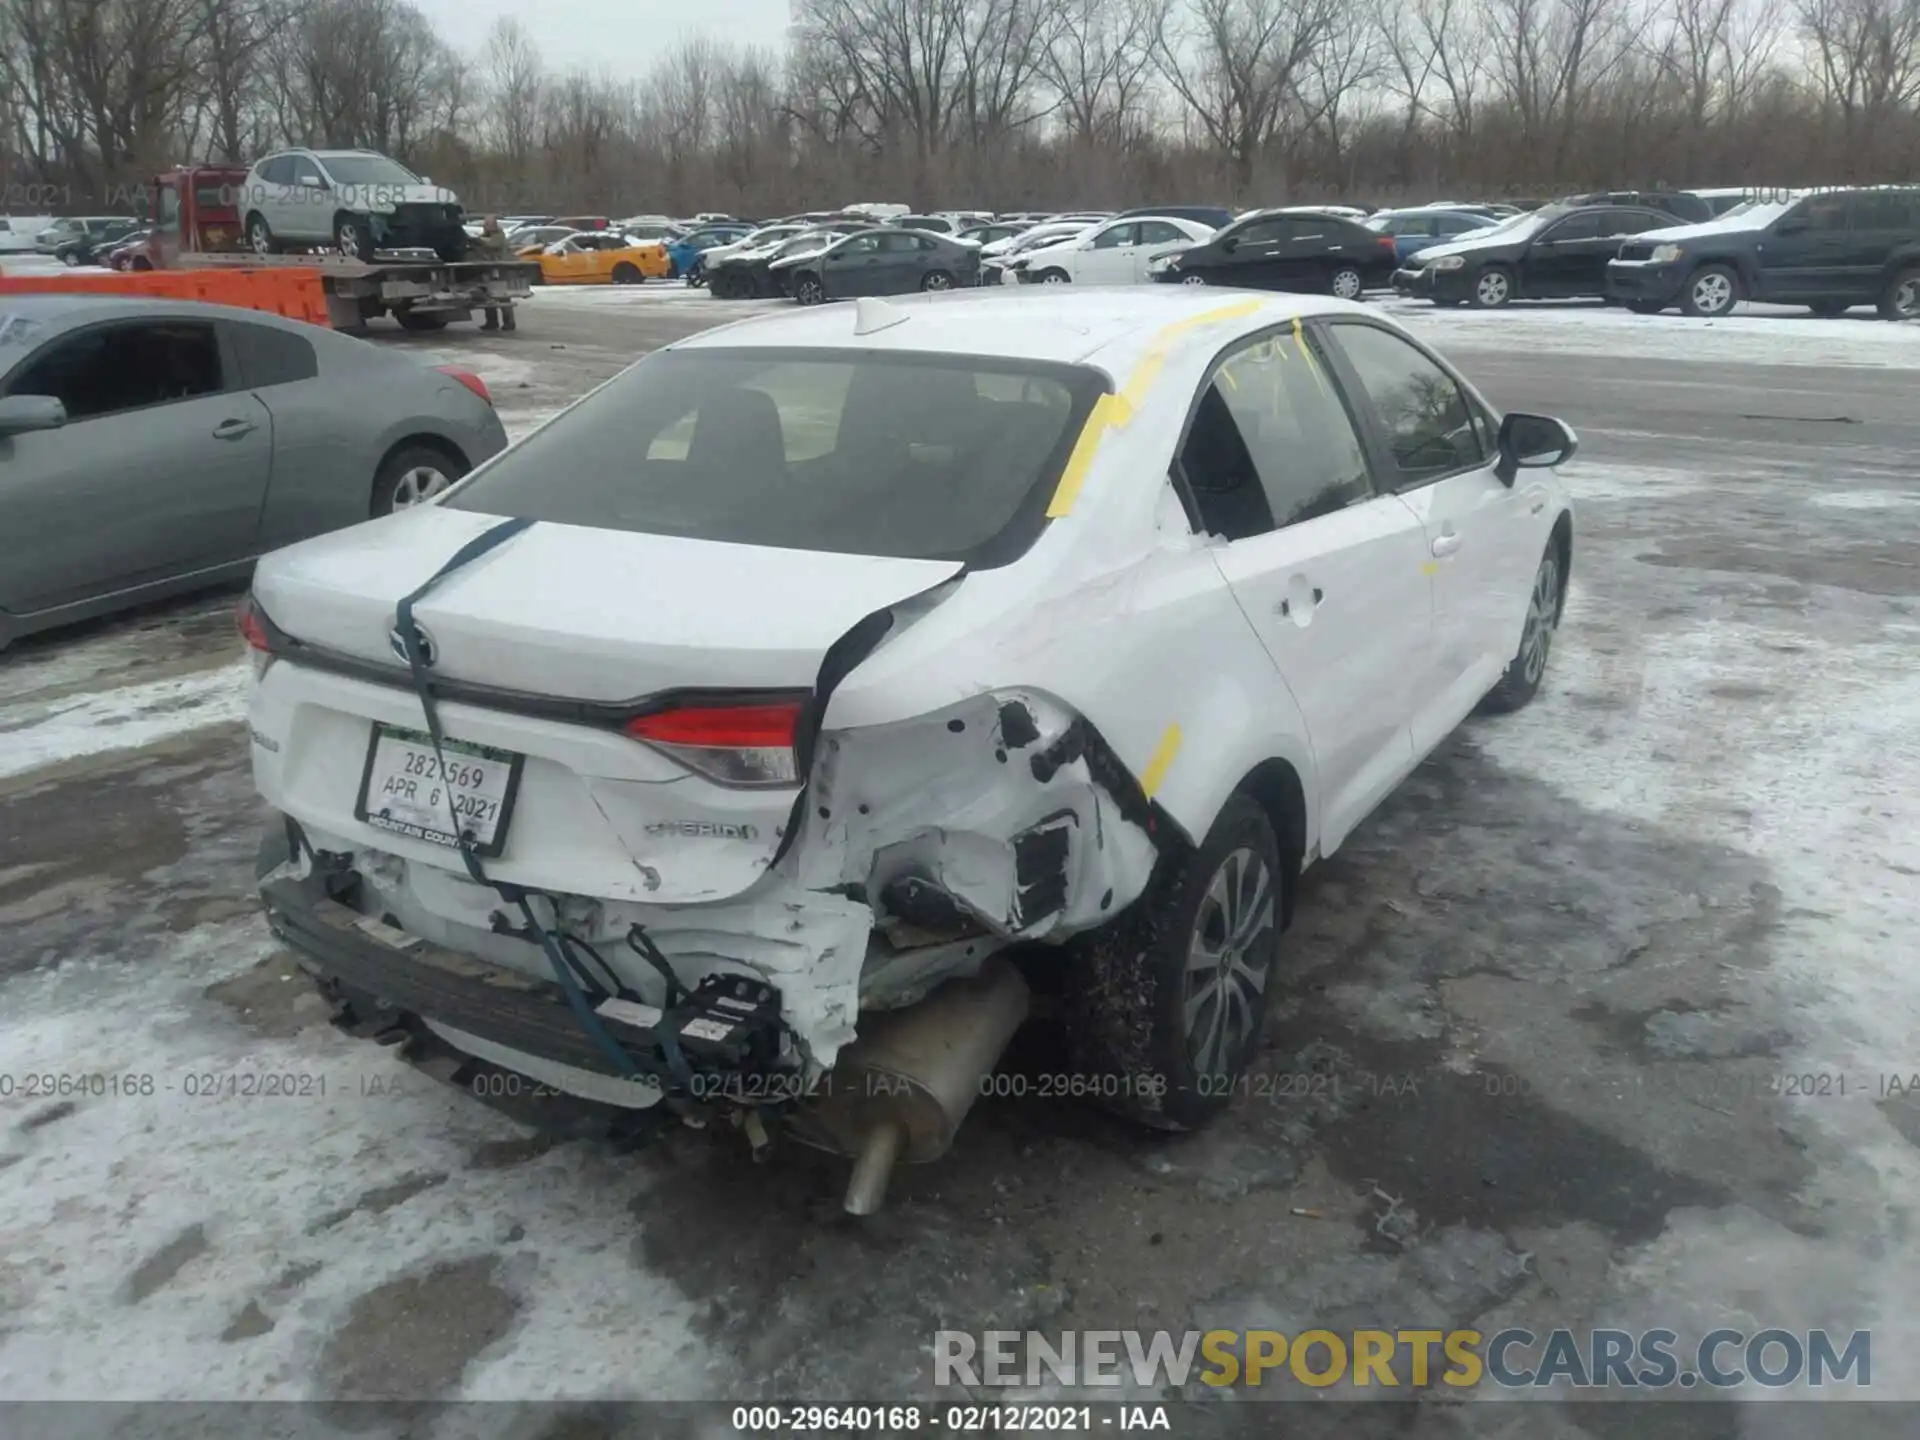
[
  {"x": 1100, "y": 65},
  {"x": 1234, "y": 65},
  {"x": 514, "y": 76}
]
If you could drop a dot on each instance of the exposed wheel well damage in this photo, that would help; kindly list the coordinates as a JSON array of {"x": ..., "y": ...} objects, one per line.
[{"x": 1276, "y": 786}]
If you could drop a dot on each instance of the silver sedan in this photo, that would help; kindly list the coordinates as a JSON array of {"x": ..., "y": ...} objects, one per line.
[{"x": 149, "y": 446}]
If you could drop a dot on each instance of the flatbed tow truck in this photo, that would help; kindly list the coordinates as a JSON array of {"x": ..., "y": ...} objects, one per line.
[{"x": 196, "y": 229}]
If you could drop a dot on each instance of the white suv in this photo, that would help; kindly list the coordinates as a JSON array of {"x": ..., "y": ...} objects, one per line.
[
  {"x": 711, "y": 745},
  {"x": 357, "y": 201}
]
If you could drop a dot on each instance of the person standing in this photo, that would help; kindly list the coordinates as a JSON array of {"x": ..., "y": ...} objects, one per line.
[{"x": 491, "y": 244}]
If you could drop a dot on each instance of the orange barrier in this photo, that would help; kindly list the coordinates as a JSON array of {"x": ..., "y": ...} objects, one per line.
[{"x": 296, "y": 292}]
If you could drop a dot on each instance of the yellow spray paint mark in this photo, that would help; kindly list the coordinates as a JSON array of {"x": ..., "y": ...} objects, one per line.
[
  {"x": 1161, "y": 761},
  {"x": 1432, "y": 567},
  {"x": 1108, "y": 410},
  {"x": 1111, "y": 412}
]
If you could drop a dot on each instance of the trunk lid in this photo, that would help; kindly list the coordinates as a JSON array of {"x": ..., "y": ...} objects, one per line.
[
  {"x": 568, "y": 612},
  {"x": 558, "y": 613}
]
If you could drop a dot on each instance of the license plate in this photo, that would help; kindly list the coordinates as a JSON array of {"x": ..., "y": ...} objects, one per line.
[{"x": 408, "y": 790}]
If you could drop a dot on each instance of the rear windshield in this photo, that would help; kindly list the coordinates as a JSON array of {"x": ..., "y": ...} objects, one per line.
[{"x": 858, "y": 452}]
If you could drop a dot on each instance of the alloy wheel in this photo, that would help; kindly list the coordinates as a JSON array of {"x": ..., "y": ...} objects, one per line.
[
  {"x": 1346, "y": 284},
  {"x": 1712, "y": 293},
  {"x": 1906, "y": 298},
  {"x": 1492, "y": 288},
  {"x": 1226, "y": 977},
  {"x": 418, "y": 485},
  {"x": 938, "y": 281},
  {"x": 1543, "y": 615}
]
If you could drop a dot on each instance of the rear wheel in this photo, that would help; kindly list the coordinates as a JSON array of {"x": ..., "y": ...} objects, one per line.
[
  {"x": 1346, "y": 283},
  {"x": 1492, "y": 288},
  {"x": 1901, "y": 299},
  {"x": 1168, "y": 1003},
  {"x": 627, "y": 273},
  {"x": 412, "y": 474},
  {"x": 1712, "y": 291},
  {"x": 937, "y": 280}
]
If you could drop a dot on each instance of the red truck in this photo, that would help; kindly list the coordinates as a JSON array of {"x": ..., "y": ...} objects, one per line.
[{"x": 194, "y": 212}]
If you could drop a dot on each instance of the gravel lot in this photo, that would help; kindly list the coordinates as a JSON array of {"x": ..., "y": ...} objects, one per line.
[{"x": 1555, "y": 982}]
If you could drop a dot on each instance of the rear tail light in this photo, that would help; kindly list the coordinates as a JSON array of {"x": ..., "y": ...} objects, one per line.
[
  {"x": 744, "y": 744},
  {"x": 257, "y": 631},
  {"x": 1386, "y": 243},
  {"x": 467, "y": 378}
]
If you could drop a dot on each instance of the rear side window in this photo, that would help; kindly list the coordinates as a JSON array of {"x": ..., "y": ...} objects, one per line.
[
  {"x": 1429, "y": 423},
  {"x": 1271, "y": 444},
  {"x": 271, "y": 357},
  {"x": 1825, "y": 214},
  {"x": 1574, "y": 227},
  {"x": 876, "y": 453},
  {"x": 1634, "y": 222},
  {"x": 1886, "y": 210}
]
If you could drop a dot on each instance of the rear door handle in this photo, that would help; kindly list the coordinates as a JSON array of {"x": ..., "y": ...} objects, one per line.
[
  {"x": 233, "y": 429},
  {"x": 1446, "y": 544}
]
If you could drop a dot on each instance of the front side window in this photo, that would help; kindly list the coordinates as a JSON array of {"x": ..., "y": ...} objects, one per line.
[
  {"x": 1271, "y": 444},
  {"x": 115, "y": 368},
  {"x": 1429, "y": 423},
  {"x": 1574, "y": 227},
  {"x": 1114, "y": 236},
  {"x": 913, "y": 456}
]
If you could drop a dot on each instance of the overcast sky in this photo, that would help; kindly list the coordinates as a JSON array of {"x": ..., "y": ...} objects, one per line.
[{"x": 616, "y": 34}]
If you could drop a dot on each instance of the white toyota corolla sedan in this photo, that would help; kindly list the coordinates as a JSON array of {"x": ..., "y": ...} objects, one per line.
[{"x": 743, "y": 744}]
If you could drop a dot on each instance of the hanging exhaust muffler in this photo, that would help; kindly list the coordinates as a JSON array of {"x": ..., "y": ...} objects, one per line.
[{"x": 901, "y": 1089}]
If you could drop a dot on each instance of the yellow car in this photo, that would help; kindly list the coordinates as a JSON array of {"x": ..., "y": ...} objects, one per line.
[{"x": 603, "y": 257}]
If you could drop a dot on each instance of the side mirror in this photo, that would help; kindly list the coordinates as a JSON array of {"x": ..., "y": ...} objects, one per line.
[
  {"x": 22, "y": 413},
  {"x": 1531, "y": 442},
  {"x": 1230, "y": 244}
]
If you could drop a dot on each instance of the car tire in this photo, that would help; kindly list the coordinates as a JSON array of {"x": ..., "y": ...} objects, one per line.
[
  {"x": 695, "y": 277},
  {"x": 70, "y": 259},
  {"x": 1054, "y": 277},
  {"x": 936, "y": 280},
  {"x": 409, "y": 319},
  {"x": 1901, "y": 299},
  {"x": 1830, "y": 309},
  {"x": 1135, "y": 1004},
  {"x": 627, "y": 273},
  {"x": 412, "y": 473},
  {"x": 260, "y": 236},
  {"x": 1710, "y": 292},
  {"x": 353, "y": 237},
  {"x": 807, "y": 290},
  {"x": 1492, "y": 288},
  {"x": 1524, "y": 673},
  {"x": 1194, "y": 278},
  {"x": 1346, "y": 283}
]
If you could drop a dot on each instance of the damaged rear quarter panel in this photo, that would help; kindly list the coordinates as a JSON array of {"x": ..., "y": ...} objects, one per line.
[{"x": 1121, "y": 613}]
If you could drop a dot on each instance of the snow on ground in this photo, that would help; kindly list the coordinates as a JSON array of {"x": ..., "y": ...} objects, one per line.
[
  {"x": 1756, "y": 334},
  {"x": 291, "y": 1199},
  {"x": 37, "y": 733}
]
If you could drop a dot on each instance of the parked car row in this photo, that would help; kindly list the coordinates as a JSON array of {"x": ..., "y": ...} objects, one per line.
[{"x": 1829, "y": 250}]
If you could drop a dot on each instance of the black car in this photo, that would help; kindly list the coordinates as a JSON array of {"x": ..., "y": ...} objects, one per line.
[
  {"x": 91, "y": 245},
  {"x": 1286, "y": 250},
  {"x": 1829, "y": 252},
  {"x": 885, "y": 261},
  {"x": 1559, "y": 252},
  {"x": 1218, "y": 216},
  {"x": 1681, "y": 204},
  {"x": 748, "y": 275}
]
